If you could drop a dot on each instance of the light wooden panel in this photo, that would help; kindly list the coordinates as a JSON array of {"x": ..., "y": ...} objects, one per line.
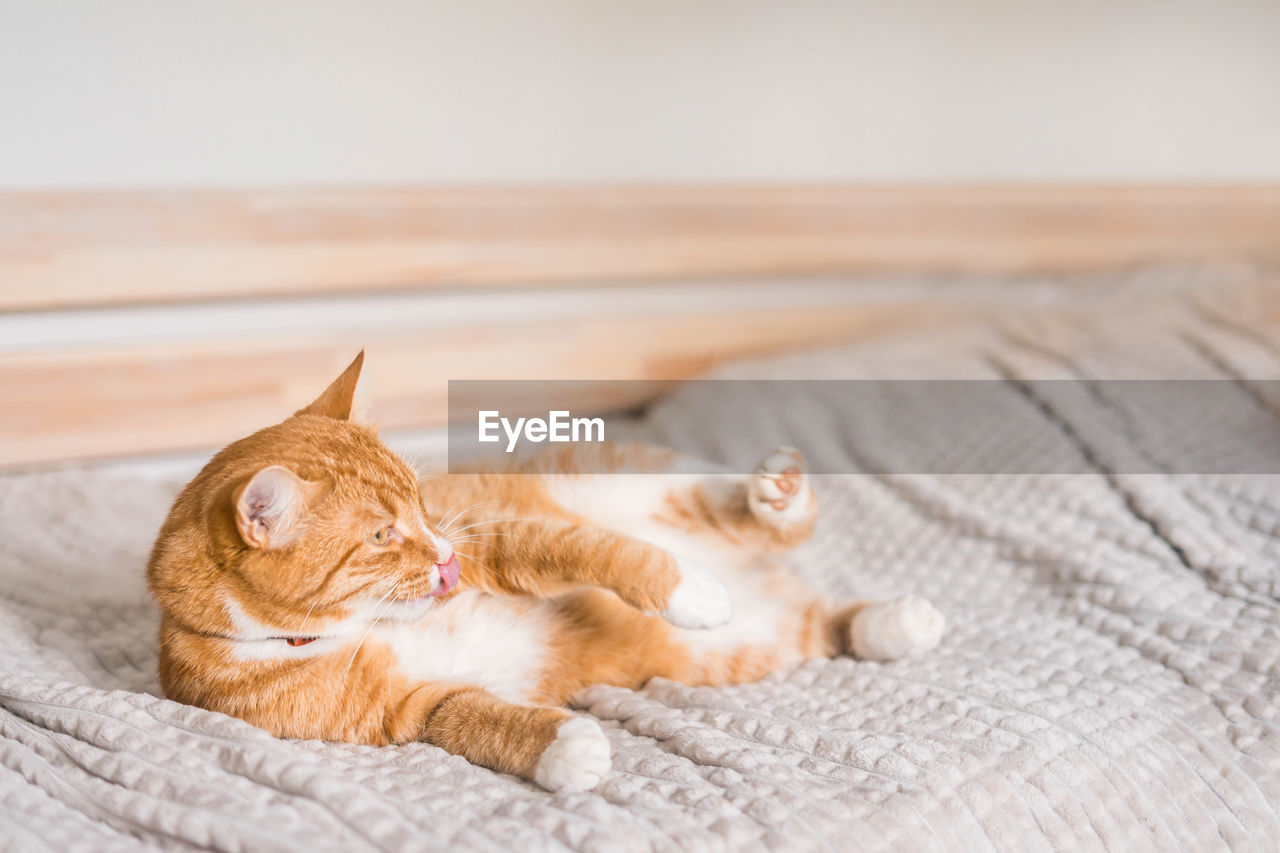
[
  {"x": 90, "y": 248},
  {"x": 99, "y": 402}
]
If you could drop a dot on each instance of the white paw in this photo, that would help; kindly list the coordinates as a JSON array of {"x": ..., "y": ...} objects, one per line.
[
  {"x": 894, "y": 629},
  {"x": 576, "y": 760},
  {"x": 779, "y": 492},
  {"x": 700, "y": 601}
]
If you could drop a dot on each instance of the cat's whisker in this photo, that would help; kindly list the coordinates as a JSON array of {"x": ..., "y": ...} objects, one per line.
[
  {"x": 443, "y": 524},
  {"x": 421, "y": 467},
  {"x": 455, "y": 517},
  {"x": 305, "y": 619},
  {"x": 474, "y": 560},
  {"x": 495, "y": 521},
  {"x": 451, "y": 517},
  {"x": 377, "y": 618},
  {"x": 473, "y": 542},
  {"x": 470, "y": 507}
]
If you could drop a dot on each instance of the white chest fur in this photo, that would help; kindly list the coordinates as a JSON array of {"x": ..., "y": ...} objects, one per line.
[{"x": 478, "y": 639}]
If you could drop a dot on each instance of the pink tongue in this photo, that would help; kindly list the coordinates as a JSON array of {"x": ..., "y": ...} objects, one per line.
[{"x": 448, "y": 576}]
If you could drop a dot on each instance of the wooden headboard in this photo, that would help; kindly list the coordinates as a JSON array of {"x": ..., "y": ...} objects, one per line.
[{"x": 137, "y": 322}]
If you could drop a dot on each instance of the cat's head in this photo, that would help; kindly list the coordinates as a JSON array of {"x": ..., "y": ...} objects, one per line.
[{"x": 313, "y": 515}]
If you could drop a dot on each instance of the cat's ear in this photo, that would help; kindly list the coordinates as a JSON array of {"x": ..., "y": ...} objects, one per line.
[
  {"x": 337, "y": 400},
  {"x": 270, "y": 507}
]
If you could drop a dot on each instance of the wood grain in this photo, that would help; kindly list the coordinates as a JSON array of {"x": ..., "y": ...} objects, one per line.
[
  {"x": 101, "y": 402},
  {"x": 62, "y": 249}
]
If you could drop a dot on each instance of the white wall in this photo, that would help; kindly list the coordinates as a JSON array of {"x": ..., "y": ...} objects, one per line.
[{"x": 164, "y": 92}]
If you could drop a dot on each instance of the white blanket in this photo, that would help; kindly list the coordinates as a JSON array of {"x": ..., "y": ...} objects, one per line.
[{"x": 1109, "y": 677}]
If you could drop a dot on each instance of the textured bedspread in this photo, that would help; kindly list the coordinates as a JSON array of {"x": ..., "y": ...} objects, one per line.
[{"x": 1110, "y": 675}]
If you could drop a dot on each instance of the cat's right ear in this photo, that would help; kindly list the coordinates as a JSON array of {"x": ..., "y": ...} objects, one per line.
[
  {"x": 270, "y": 506},
  {"x": 339, "y": 398}
]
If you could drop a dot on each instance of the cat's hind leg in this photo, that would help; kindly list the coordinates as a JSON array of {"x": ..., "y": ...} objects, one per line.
[
  {"x": 772, "y": 509},
  {"x": 780, "y": 496}
]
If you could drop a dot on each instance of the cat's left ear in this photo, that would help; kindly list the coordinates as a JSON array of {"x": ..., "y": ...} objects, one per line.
[
  {"x": 338, "y": 399},
  {"x": 270, "y": 507}
]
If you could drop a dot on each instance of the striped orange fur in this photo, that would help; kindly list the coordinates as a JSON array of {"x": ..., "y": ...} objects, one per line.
[{"x": 306, "y": 579}]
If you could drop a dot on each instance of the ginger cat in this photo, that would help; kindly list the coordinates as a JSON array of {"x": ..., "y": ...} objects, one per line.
[{"x": 313, "y": 586}]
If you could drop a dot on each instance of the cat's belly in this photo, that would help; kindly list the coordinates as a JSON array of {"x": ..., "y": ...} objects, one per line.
[
  {"x": 760, "y": 615},
  {"x": 499, "y": 643},
  {"x": 765, "y": 596}
]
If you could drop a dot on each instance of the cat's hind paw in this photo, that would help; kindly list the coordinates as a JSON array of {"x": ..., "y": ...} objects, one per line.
[
  {"x": 899, "y": 628},
  {"x": 576, "y": 760},
  {"x": 699, "y": 600},
  {"x": 779, "y": 492}
]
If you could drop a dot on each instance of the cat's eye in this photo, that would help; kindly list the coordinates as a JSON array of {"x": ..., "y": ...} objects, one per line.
[{"x": 385, "y": 536}]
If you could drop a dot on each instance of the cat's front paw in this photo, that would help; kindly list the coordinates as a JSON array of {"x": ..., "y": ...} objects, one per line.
[
  {"x": 576, "y": 760},
  {"x": 899, "y": 628},
  {"x": 779, "y": 492},
  {"x": 699, "y": 600}
]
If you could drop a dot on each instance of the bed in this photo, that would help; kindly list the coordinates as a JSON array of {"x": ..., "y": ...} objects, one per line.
[{"x": 1109, "y": 677}]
